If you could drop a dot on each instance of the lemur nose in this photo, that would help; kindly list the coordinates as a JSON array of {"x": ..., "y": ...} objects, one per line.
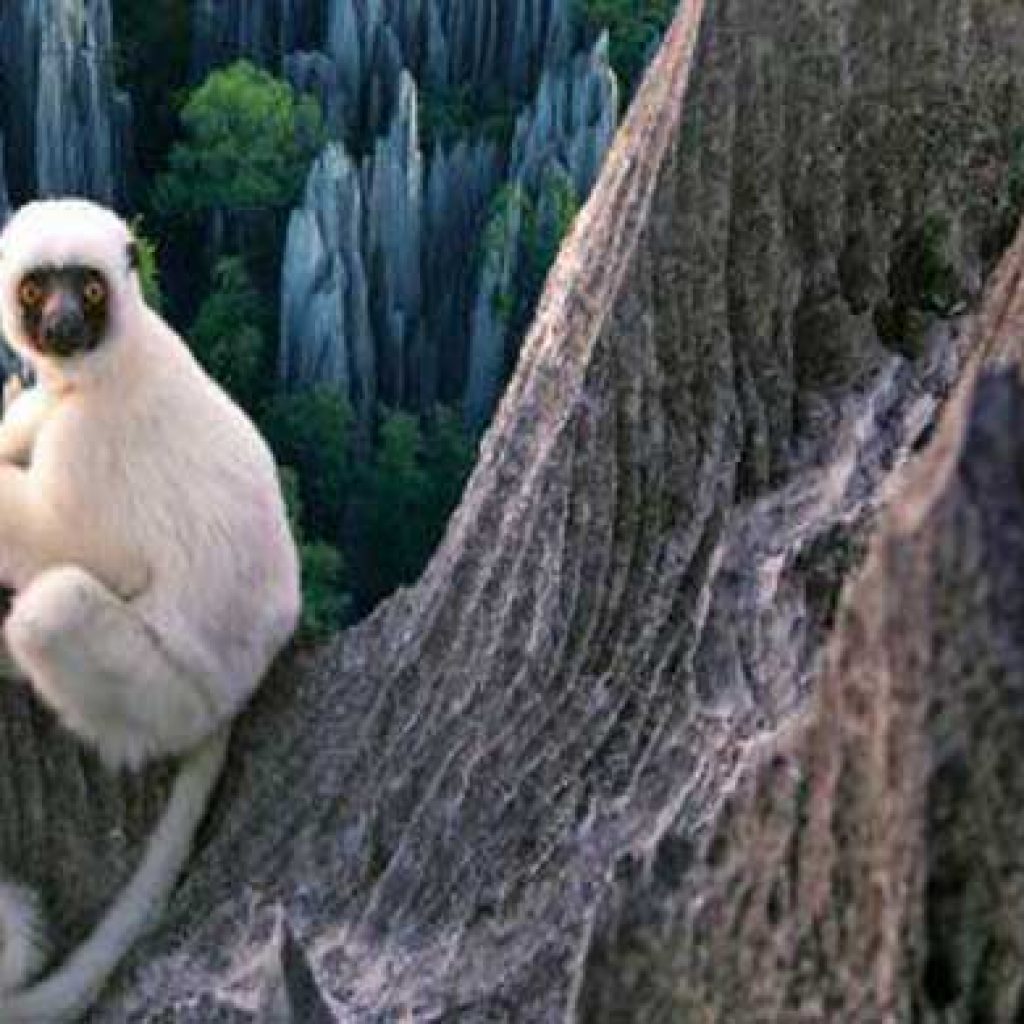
[
  {"x": 66, "y": 325},
  {"x": 63, "y": 322}
]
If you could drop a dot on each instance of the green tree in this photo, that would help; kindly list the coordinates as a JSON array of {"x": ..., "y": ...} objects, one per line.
[
  {"x": 545, "y": 219},
  {"x": 633, "y": 29},
  {"x": 392, "y": 499},
  {"x": 325, "y": 600},
  {"x": 248, "y": 141},
  {"x": 449, "y": 454},
  {"x": 149, "y": 268},
  {"x": 311, "y": 432},
  {"x": 227, "y": 337},
  {"x": 406, "y": 495},
  {"x": 548, "y": 221}
]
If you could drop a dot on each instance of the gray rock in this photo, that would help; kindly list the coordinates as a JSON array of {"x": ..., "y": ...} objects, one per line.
[
  {"x": 502, "y": 47},
  {"x": 461, "y": 183},
  {"x": 62, "y": 116},
  {"x": 560, "y": 142},
  {"x": 351, "y": 287},
  {"x": 315, "y": 73},
  {"x": 441, "y": 326},
  {"x": 362, "y": 67},
  {"x": 263, "y": 31},
  {"x": 570, "y": 124},
  {"x": 490, "y": 323},
  {"x": 326, "y": 336},
  {"x": 393, "y": 186}
]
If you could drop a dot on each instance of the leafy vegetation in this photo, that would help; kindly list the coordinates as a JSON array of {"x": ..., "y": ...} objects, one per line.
[
  {"x": 248, "y": 142},
  {"x": 391, "y": 506},
  {"x": 545, "y": 220},
  {"x": 368, "y": 502},
  {"x": 149, "y": 266},
  {"x": 385, "y": 514},
  {"x": 227, "y": 337},
  {"x": 406, "y": 494},
  {"x": 923, "y": 284},
  {"x": 325, "y": 599},
  {"x": 449, "y": 113},
  {"x": 311, "y": 431},
  {"x": 634, "y": 27}
]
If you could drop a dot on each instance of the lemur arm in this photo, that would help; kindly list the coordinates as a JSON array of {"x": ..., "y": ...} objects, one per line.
[{"x": 24, "y": 413}]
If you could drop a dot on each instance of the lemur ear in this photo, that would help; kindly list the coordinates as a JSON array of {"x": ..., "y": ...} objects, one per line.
[{"x": 133, "y": 255}]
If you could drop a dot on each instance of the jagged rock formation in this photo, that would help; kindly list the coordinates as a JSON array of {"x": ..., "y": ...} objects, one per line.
[
  {"x": 515, "y": 775},
  {"x": 261, "y": 30},
  {"x": 497, "y": 45},
  {"x": 65, "y": 124},
  {"x": 438, "y": 328},
  {"x": 435, "y": 326},
  {"x": 352, "y": 297},
  {"x": 560, "y": 142}
]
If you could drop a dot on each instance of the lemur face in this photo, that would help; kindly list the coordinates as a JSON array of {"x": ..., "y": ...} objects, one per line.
[
  {"x": 64, "y": 309},
  {"x": 70, "y": 295}
]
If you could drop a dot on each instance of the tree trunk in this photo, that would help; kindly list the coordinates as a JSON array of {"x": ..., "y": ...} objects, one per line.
[{"x": 524, "y": 789}]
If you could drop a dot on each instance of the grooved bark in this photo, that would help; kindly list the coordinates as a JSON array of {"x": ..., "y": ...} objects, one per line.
[
  {"x": 866, "y": 865},
  {"x": 437, "y": 814}
]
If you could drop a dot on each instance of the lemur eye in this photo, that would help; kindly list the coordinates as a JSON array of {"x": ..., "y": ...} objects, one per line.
[
  {"x": 30, "y": 293},
  {"x": 95, "y": 292}
]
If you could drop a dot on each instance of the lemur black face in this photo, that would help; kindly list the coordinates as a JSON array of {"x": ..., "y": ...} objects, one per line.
[{"x": 64, "y": 309}]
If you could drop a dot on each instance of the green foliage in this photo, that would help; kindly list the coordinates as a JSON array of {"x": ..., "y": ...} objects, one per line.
[
  {"x": 326, "y": 604},
  {"x": 449, "y": 454},
  {"x": 547, "y": 225},
  {"x": 509, "y": 201},
  {"x": 226, "y": 337},
  {"x": 325, "y": 600},
  {"x": 545, "y": 220},
  {"x": 249, "y": 140},
  {"x": 149, "y": 268},
  {"x": 633, "y": 29},
  {"x": 923, "y": 284},
  {"x": 407, "y": 493},
  {"x": 311, "y": 432},
  {"x": 393, "y": 520},
  {"x": 449, "y": 113},
  {"x": 152, "y": 49},
  {"x": 386, "y": 513}
]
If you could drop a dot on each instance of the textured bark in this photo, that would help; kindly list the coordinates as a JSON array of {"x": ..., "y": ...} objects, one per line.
[
  {"x": 865, "y": 864},
  {"x": 508, "y": 795}
]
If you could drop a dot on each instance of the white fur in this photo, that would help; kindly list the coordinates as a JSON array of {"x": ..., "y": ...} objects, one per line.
[
  {"x": 147, "y": 542},
  {"x": 24, "y": 413}
]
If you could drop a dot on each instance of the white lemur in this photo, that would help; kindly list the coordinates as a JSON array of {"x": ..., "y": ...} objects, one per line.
[{"x": 143, "y": 531}]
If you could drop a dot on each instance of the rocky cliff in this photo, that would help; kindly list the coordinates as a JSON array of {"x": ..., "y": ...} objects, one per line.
[
  {"x": 440, "y": 259},
  {"x": 64, "y": 123},
  {"x": 436, "y": 256},
  {"x": 625, "y": 752}
]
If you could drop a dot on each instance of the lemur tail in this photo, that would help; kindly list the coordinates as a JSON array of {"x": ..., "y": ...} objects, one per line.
[{"x": 66, "y": 994}]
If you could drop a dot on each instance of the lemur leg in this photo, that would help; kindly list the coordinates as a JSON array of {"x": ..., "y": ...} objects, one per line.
[
  {"x": 104, "y": 671},
  {"x": 29, "y": 539}
]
